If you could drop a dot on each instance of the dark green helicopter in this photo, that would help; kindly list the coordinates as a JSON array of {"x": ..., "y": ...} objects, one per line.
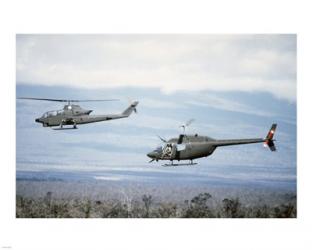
[
  {"x": 190, "y": 147},
  {"x": 73, "y": 114}
]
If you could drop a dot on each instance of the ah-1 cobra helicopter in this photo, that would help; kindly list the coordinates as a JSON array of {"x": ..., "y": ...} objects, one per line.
[
  {"x": 189, "y": 147},
  {"x": 73, "y": 114}
]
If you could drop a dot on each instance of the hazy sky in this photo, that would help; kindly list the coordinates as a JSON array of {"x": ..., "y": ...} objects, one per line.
[
  {"x": 168, "y": 62},
  {"x": 233, "y": 86}
]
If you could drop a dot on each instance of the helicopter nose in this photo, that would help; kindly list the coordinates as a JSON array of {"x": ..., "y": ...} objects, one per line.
[
  {"x": 37, "y": 120},
  {"x": 152, "y": 155}
]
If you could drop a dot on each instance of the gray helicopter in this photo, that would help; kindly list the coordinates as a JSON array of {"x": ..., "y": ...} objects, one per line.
[
  {"x": 189, "y": 147},
  {"x": 73, "y": 114}
]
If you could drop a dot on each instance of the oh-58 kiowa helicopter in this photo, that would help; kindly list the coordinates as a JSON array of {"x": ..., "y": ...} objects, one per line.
[
  {"x": 189, "y": 147},
  {"x": 73, "y": 114}
]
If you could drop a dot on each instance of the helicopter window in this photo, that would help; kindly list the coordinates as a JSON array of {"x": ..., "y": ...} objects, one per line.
[
  {"x": 167, "y": 150},
  {"x": 49, "y": 114},
  {"x": 181, "y": 147},
  {"x": 159, "y": 149},
  {"x": 53, "y": 113}
]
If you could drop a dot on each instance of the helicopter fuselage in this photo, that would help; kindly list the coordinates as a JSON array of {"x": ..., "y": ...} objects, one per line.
[
  {"x": 189, "y": 147},
  {"x": 58, "y": 120},
  {"x": 192, "y": 147},
  {"x": 74, "y": 115}
]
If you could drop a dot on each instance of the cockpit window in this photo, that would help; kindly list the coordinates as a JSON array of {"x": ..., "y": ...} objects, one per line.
[
  {"x": 159, "y": 149},
  {"x": 50, "y": 114}
]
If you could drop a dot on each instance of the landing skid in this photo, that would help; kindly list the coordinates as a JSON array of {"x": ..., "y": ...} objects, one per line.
[
  {"x": 179, "y": 164},
  {"x": 64, "y": 128}
]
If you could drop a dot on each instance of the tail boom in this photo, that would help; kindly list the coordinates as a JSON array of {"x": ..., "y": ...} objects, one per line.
[{"x": 268, "y": 140}]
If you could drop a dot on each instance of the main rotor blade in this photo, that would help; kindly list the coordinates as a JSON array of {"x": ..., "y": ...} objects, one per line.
[
  {"x": 161, "y": 138},
  {"x": 101, "y": 100},
  {"x": 65, "y": 100},
  {"x": 188, "y": 123}
]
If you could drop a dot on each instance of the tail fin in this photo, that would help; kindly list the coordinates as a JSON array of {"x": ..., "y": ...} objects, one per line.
[
  {"x": 269, "y": 142},
  {"x": 131, "y": 108}
]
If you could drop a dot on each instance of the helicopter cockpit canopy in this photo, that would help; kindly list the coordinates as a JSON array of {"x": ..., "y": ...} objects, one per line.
[
  {"x": 169, "y": 151},
  {"x": 52, "y": 113},
  {"x": 158, "y": 149}
]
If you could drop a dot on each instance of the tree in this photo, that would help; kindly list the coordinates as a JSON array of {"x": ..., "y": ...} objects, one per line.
[
  {"x": 198, "y": 207},
  {"x": 285, "y": 211},
  {"x": 167, "y": 210},
  {"x": 48, "y": 199},
  {"x": 231, "y": 207},
  {"x": 147, "y": 200}
]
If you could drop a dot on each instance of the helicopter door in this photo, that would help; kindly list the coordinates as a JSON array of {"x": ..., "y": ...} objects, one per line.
[{"x": 169, "y": 151}]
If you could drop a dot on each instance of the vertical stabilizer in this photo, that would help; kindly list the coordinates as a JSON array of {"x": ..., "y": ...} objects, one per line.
[
  {"x": 130, "y": 109},
  {"x": 269, "y": 142}
]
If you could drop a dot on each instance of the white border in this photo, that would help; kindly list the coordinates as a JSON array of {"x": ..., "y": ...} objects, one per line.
[{"x": 156, "y": 17}]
